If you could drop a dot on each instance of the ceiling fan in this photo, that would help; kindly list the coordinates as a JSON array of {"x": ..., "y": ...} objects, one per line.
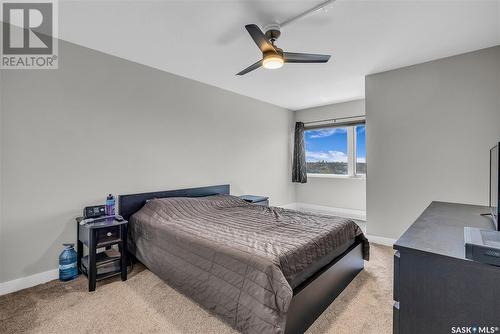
[{"x": 274, "y": 57}]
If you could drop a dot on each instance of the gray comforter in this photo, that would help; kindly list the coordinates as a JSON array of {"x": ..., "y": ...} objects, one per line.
[{"x": 235, "y": 259}]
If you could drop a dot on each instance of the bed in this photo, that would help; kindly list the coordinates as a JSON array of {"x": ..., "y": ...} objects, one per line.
[{"x": 261, "y": 269}]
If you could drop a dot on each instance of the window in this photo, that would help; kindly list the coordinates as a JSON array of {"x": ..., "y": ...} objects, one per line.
[
  {"x": 326, "y": 151},
  {"x": 336, "y": 151},
  {"x": 360, "y": 150}
]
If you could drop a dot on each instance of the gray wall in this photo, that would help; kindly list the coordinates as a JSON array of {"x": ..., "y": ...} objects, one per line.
[
  {"x": 337, "y": 192},
  {"x": 429, "y": 131},
  {"x": 100, "y": 125}
]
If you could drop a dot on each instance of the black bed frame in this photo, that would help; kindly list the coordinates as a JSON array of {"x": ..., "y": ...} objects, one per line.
[{"x": 310, "y": 298}]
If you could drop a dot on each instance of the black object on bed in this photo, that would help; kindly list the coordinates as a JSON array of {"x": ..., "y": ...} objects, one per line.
[{"x": 252, "y": 265}]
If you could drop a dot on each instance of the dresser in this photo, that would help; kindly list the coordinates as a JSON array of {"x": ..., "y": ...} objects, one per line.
[{"x": 436, "y": 289}]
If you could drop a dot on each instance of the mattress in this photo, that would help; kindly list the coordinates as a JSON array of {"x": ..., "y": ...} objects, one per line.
[{"x": 238, "y": 260}]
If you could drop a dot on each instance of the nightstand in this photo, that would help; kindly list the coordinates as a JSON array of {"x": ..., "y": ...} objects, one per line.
[
  {"x": 258, "y": 200},
  {"x": 102, "y": 235}
]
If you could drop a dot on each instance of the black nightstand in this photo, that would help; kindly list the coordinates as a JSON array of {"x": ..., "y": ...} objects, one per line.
[
  {"x": 258, "y": 200},
  {"x": 101, "y": 265}
]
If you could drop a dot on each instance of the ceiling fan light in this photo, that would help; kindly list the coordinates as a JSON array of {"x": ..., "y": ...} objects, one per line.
[{"x": 272, "y": 62}]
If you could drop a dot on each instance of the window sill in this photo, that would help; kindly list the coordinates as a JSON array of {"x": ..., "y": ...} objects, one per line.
[{"x": 336, "y": 176}]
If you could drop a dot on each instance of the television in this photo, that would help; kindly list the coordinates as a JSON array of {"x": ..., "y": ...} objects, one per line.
[{"x": 494, "y": 184}]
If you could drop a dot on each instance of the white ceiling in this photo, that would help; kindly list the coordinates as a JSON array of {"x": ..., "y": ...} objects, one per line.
[{"x": 206, "y": 40}]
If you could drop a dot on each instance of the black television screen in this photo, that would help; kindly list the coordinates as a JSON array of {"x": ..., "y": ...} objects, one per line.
[{"x": 494, "y": 184}]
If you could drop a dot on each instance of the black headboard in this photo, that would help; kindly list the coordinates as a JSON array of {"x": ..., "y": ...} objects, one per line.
[{"x": 130, "y": 204}]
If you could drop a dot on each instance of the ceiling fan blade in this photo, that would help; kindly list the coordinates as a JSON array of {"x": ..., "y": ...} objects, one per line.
[
  {"x": 259, "y": 38},
  {"x": 292, "y": 57},
  {"x": 251, "y": 68}
]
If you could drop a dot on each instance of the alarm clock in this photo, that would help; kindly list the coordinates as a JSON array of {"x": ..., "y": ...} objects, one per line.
[{"x": 94, "y": 211}]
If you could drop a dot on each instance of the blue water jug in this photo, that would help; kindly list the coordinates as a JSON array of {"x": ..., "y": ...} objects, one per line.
[
  {"x": 67, "y": 263},
  {"x": 110, "y": 205}
]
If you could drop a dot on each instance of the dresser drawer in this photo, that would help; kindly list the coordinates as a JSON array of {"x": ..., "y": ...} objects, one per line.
[
  {"x": 105, "y": 236},
  {"x": 397, "y": 259}
]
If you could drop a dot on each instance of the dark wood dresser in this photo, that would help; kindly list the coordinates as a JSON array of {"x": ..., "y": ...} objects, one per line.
[{"x": 436, "y": 289}]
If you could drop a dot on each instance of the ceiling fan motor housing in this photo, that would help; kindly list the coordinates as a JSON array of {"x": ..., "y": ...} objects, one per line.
[
  {"x": 272, "y": 32},
  {"x": 271, "y": 53}
]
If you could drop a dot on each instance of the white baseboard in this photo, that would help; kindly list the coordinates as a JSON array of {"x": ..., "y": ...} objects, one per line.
[
  {"x": 327, "y": 210},
  {"x": 28, "y": 282},
  {"x": 291, "y": 206},
  {"x": 380, "y": 240}
]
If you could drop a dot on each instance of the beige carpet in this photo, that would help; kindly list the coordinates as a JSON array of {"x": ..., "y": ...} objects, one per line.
[{"x": 145, "y": 304}]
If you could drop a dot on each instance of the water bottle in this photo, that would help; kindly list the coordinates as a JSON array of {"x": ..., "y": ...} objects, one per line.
[
  {"x": 67, "y": 263},
  {"x": 110, "y": 205}
]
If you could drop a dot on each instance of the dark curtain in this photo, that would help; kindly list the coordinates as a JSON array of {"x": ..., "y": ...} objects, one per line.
[{"x": 299, "y": 173}]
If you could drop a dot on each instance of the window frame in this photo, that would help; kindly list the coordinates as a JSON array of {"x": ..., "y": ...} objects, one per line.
[{"x": 351, "y": 151}]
